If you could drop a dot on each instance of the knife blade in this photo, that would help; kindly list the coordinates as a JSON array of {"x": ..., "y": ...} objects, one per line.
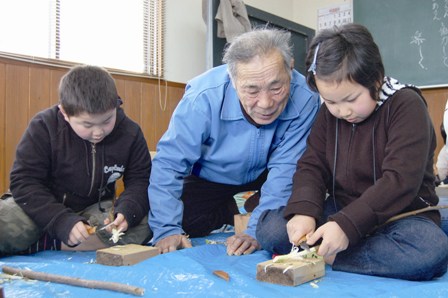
[{"x": 302, "y": 243}]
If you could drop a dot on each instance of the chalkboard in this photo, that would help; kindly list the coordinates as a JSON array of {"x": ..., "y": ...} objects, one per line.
[
  {"x": 412, "y": 36},
  {"x": 300, "y": 35}
]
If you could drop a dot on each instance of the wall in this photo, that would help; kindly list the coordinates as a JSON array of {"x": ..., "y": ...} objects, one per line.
[
  {"x": 185, "y": 46},
  {"x": 305, "y": 11},
  {"x": 281, "y": 8},
  {"x": 26, "y": 88},
  {"x": 184, "y": 40}
]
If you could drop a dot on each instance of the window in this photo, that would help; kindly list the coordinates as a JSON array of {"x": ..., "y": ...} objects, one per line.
[{"x": 117, "y": 34}]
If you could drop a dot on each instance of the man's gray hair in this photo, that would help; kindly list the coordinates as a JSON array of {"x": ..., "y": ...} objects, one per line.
[{"x": 258, "y": 42}]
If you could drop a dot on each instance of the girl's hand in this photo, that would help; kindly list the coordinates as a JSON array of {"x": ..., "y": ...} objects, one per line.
[
  {"x": 299, "y": 226},
  {"x": 334, "y": 240}
]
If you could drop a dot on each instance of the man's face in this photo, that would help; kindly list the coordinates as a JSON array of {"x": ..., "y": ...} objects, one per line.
[{"x": 263, "y": 87}]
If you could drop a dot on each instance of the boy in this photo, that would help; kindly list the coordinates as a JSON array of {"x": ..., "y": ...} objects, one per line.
[{"x": 67, "y": 163}]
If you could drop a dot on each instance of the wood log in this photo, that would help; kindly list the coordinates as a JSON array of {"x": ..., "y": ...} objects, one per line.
[
  {"x": 291, "y": 273},
  {"x": 124, "y": 255}
]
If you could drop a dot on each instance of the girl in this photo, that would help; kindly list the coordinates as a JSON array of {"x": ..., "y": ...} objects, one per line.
[{"x": 371, "y": 149}]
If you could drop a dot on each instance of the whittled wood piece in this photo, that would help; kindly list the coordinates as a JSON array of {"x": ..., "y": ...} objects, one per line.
[
  {"x": 291, "y": 273},
  {"x": 240, "y": 222},
  {"x": 222, "y": 274},
  {"x": 124, "y": 255}
]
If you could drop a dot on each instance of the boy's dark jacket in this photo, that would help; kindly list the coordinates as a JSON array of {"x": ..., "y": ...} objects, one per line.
[
  {"x": 384, "y": 166},
  {"x": 57, "y": 174}
]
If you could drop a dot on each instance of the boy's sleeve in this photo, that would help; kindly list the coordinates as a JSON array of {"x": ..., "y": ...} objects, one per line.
[
  {"x": 133, "y": 203},
  {"x": 30, "y": 182}
]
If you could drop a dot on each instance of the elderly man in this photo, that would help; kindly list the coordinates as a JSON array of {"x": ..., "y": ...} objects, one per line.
[{"x": 240, "y": 126}]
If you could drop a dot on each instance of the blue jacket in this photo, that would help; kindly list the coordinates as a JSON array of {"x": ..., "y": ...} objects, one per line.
[{"x": 208, "y": 132}]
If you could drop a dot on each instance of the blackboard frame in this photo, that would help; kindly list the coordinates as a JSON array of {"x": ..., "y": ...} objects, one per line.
[{"x": 301, "y": 35}]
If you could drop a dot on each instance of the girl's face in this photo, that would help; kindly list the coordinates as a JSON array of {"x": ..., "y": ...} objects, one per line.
[{"x": 346, "y": 100}]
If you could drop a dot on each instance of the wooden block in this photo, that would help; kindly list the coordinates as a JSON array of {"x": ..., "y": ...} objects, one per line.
[
  {"x": 240, "y": 222},
  {"x": 291, "y": 273},
  {"x": 123, "y": 255}
]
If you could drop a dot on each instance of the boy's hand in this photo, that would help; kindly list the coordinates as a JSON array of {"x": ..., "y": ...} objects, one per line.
[
  {"x": 241, "y": 244},
  {"x": 78, "y": 234},
  {"x": 173, "y": 243},
  {"x": 120, "y": 223}
]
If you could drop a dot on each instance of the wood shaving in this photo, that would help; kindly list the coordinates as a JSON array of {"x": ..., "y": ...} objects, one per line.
[
  {"x": 265, "y": 267},
  {"x": 91, "y": 230},
  {"x": 116, "y": 235},
  {"x": 296, "y": 255},
  {"x": 4, "y": 277},
  {"x": 208, "y": 241},
  {"x": 287, "y": 268}
]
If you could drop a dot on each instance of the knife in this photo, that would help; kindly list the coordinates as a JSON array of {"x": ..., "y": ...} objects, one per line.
[{"x": 302, "y": 243}]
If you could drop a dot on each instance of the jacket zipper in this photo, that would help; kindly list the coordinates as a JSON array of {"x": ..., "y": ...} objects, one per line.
[
  {"x": 93, "y": 168},
  {"x": 349, "y": 161}
]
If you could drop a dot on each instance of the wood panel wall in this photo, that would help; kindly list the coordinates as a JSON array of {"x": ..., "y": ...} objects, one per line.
[{"x": 26, "y": 88}]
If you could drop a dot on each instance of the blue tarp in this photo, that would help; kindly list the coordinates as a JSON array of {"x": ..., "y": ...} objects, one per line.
[{"x": 189, "y": 273}]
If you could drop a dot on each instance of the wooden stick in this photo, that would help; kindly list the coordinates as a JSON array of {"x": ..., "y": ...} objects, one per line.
[
  {"x": 414, "y": 212},
  {"x": 92, "y": 284}
]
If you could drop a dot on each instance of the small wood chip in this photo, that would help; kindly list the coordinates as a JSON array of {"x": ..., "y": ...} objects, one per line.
[
  {"x": 222, "y": 274},
  {"x": 91, "y": 230}
]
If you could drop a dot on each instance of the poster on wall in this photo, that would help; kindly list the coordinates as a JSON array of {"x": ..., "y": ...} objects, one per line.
[{"x": 335, "y": 15}]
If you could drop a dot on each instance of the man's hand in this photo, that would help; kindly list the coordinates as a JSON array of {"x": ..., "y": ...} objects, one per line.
[
  {"x": 241, "y": 244},
  {"x": 173, "y": 243}
]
